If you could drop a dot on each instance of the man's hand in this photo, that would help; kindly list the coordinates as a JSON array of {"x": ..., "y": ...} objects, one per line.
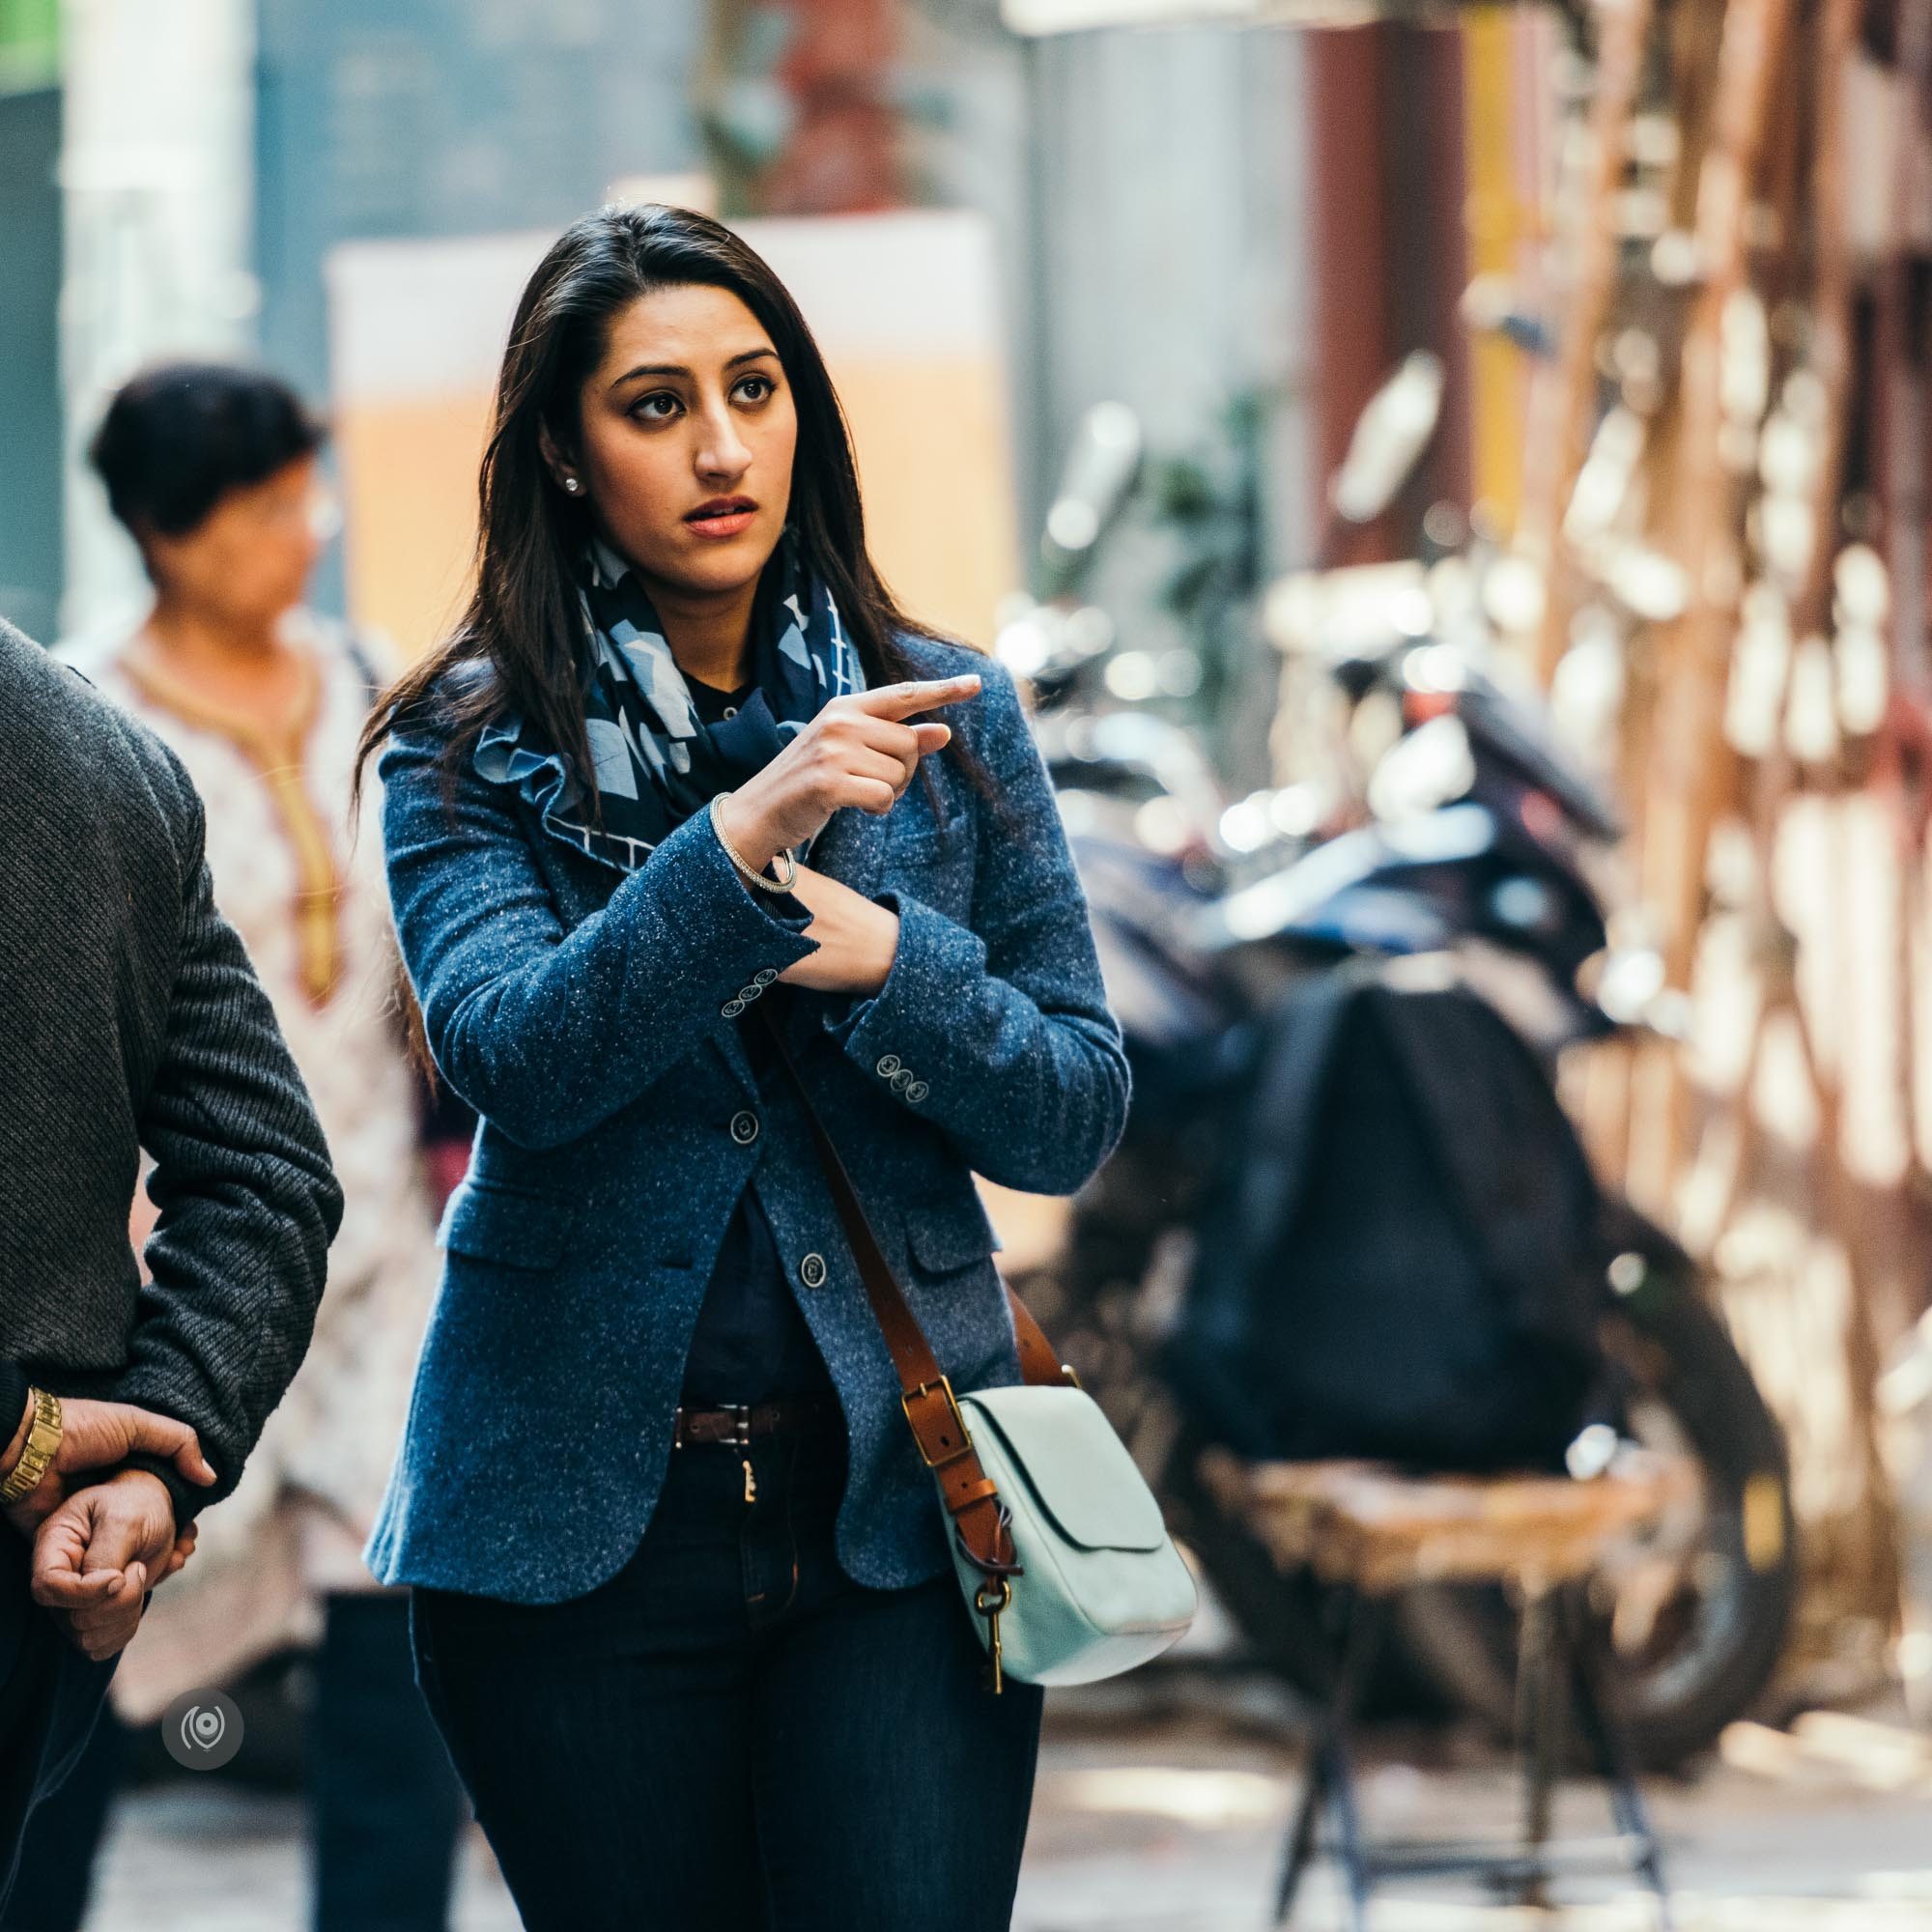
[
  {"x": 96, "y": 1436},
  {"x": 858, "y": 938},
  {"x": 98, "y": 1552}
]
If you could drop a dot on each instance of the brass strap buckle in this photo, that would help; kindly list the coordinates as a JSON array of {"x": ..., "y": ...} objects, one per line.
[{"x": 965, "y": 1447}]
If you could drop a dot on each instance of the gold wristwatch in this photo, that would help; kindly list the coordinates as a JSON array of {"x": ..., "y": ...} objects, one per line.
[{"x": 43, "y": 1440}]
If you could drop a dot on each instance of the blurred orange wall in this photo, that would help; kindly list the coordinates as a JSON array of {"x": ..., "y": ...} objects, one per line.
[{"x": 903, "y": 305}]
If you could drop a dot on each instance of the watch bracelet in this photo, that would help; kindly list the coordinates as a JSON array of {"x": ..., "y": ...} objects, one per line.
[{"x": 37, "y": 1451}]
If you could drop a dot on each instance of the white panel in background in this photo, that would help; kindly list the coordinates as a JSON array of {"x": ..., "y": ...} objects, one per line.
[{"x": 905, "y": 307}]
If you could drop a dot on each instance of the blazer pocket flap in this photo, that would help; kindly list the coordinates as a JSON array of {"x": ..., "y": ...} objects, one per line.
[
  {"x": 496, "y": 1224},
  {"x": 950, "y": 1236}
]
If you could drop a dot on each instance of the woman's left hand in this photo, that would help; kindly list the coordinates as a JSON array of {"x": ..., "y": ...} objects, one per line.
[{"x": 857, "y": 938}]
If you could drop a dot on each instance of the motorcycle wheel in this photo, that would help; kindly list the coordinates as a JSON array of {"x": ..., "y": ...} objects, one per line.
[{"x": 1697, "y": 1620}]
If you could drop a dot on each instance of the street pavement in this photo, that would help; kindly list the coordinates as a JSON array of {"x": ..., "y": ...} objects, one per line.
[{"x": 1161, "y": 1809}]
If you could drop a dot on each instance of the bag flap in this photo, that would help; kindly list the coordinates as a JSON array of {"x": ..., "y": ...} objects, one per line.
[{"x": 1077, "y": 1469}]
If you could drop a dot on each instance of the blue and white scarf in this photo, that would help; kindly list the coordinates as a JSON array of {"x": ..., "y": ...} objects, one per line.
[{"x": 656, "y": 760}]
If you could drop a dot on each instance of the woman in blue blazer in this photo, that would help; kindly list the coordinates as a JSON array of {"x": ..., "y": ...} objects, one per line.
[{"x": 683, "y": 1603}]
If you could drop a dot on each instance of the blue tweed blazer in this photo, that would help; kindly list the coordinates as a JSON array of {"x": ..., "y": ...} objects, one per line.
[{"x": 594, "y": 1019}]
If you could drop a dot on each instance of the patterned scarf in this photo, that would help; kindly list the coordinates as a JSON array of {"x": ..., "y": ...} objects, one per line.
[{"x": 656, "y": 760}]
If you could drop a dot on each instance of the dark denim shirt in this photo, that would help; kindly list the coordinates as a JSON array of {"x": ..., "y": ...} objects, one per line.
[{"x": 751, "y": 1343}]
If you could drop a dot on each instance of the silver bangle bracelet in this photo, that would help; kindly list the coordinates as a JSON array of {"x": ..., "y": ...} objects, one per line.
[{"x": 785, "y": 865}]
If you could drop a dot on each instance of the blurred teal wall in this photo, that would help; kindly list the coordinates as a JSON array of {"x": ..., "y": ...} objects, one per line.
[
  {"x": 399, "y": 118},
  {"x": 30, "y": 413}
]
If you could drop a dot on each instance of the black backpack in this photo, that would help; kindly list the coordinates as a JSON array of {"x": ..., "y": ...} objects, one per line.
[{"x": 1402, "y": 1262}]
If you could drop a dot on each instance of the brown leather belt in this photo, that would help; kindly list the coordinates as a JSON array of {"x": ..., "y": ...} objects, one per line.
[{"x": 743, "y": 1423}]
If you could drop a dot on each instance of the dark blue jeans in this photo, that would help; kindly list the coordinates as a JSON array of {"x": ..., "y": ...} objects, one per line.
[
  {"x": 384, "y": 1811},
  {"x": 731, "y": 1732},
  {"x": 50, "y": 1695},
  {"x": 386, "y": 1814}
]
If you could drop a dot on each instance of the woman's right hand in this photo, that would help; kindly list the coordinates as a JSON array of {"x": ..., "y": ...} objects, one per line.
[{"x": 855, "y": 750}]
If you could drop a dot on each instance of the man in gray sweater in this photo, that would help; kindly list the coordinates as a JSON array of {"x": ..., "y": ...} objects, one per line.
[{"x": 129, "y": 1021}]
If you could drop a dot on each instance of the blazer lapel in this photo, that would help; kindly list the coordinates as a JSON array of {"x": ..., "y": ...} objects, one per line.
[{"x": 851, "y": 849}]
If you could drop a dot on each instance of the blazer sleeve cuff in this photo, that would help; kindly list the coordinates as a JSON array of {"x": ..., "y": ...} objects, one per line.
[
  {"x": 740, "y": 928},
  {"x": 915, "y": 1034}
]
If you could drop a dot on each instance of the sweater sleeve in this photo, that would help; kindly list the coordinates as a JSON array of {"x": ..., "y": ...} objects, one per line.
[
  {"x": 249, "y": 1206},
  {"x": 14, "y": 1386}
]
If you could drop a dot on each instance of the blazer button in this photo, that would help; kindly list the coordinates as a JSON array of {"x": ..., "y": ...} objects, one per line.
[
  {"x": 917, "y": 1092},
  {"x": 745, "y": 1128},
  {"x": 811, "y": 1270},
  {"x": 749, "y": 993},
  {"x": 902, "y": 1080},
  {"x": 731, "y": 1008},
  {"x": 887, "y": 1066},
  {"x": 764, "y": 975}
]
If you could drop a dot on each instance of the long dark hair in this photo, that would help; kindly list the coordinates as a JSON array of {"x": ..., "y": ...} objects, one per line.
[{"x": 522, "y": 618}]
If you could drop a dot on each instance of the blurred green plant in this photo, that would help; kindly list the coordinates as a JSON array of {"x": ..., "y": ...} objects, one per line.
[
  {"x": 29, "y": 44},
  {"x": 744, "y": 113},
  {"x": 1206, "y": 499}
]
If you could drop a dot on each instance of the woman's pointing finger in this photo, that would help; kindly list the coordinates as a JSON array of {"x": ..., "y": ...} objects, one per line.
[{"x": 901, "y": 700}]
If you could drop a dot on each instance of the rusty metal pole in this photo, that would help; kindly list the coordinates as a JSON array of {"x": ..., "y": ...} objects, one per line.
[{"x": 1692, "y": 774}]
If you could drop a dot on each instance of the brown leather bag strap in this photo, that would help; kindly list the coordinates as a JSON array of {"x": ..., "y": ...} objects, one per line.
[{"x": 924, "y": 1394}]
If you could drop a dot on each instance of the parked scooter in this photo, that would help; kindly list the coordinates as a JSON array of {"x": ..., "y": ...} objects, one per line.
[{"x": 1475, "y": 854}]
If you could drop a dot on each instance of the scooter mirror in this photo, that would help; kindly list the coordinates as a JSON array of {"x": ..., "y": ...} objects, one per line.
[
  {"x": 1100, "y": 474},
  {"x": 1391, "y": 433}
]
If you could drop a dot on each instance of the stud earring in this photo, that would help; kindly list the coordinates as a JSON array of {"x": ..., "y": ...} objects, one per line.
[{"x": 571, "y": 484}]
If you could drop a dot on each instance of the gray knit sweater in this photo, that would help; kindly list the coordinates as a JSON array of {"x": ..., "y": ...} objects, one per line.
[{"x": 131, "y": 1019}]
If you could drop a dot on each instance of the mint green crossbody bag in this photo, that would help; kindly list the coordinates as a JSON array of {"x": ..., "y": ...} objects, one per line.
[{"x": 1057, "y": 1539}]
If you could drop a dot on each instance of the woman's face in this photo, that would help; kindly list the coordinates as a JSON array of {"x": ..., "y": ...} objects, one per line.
[
  {"x": 689, "y": 406},
  {"x": 247, "y": 562}
]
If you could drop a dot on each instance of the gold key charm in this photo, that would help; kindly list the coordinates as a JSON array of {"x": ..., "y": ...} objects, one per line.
[
  {"x": 989, "y": 1603},
  {"x": 751, "y": 1483}
]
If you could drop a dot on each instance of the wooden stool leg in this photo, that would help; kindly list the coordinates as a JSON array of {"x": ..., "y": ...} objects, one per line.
[
  {"x": 1610, "y": 1747},
  {"x": 1349, "y": 1835},
  {"x": 1331, "y": 1770},
  {"x": 1301, "y": 1835},
  {"x": 1541, "y": 1693}
]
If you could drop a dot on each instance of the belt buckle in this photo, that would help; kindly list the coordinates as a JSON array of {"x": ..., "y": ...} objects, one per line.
[{"x": 741, "y": 1423}]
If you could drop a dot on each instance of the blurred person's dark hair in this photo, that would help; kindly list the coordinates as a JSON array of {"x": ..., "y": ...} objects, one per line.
[
  {"x": 523, "y": 615},
  {"x": 178, "y": 437}
]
